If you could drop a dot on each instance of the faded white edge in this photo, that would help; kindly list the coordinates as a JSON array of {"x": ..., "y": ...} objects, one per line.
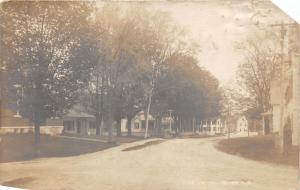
[{"x": 290, "y": 7}]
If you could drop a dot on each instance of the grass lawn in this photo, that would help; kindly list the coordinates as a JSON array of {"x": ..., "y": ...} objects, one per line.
[
  {"x": 120, "y": 140},
  {"x": 261, "y": 148},
  {"x": 20, "y": 147}
]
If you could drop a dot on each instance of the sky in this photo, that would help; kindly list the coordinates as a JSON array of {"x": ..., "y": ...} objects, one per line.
[{"x": 217, "y": 25}]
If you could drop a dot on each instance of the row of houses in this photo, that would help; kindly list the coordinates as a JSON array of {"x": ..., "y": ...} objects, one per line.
[
  {"x": 79, "y": 122},
  {"x": 210, "y": 126},
  {"x": 221, "y": 126},
  {"x": 74, "y": 122},
  {"x": 11, "y": 122}
]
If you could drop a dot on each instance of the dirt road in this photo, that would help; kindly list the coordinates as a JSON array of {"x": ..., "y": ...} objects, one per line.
[{"x": 179, "y": 164}]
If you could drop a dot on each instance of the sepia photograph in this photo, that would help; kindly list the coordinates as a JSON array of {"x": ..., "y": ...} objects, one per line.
[{"x": 149, "y": 95}]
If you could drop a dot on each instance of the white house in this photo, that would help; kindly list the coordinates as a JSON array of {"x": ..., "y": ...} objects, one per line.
[
  {"x": 204, "y": 127},
  {"x": 14, "y": 123},
  {"x": 76, "y": 122},
  {"x": 242, "y": 124},
  {"x": 212, "y": 126},
  {"x": 220, "y": 126},
  {"x": 138, "y": 123}
]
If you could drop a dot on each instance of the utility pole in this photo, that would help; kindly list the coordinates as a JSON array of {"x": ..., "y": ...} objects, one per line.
[
  {"x": 281, "y": 129},
  {"x": 283, "y": 30},
  {"x": 296, "y": 86},
  {"x": 295, "y": 63}
]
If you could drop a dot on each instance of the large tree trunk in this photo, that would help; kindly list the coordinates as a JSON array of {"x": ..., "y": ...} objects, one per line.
[
  {"x": 180, "y": 124},
  {"x": 37, "y": 138},
  {"x": 158, "y": 126},
  {"x": 249, "y": 129},
  {"x": 119, "y": 132},
  {"x": 193, "y": 124},
  {"x": 98, "y": 123},
  {"x": 228, "y": 131},
  {"x": 109, "y": 125},
  {"x": 147, "y": 115},
  {"x": 109, "y": 122},
  {"x": 129, "y": 126},
  {"x": 97, "y": 107},
  {"x": 102, "y": 127}
]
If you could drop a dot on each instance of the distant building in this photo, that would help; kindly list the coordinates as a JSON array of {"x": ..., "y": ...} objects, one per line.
[
  {"x": 242, "y": 124},
  {"x": 220, "y": 124},
  {"x": 212, "y": 126},
  {"x": 138, "y": 123},
  {"x": 78, "y": 122},
  {"x": 11, "y": 122}
]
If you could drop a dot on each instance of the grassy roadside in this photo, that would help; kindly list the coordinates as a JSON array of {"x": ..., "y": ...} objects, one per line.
[
  {"x": 20, "y": 147},
  {"x": 260, "y": 148}
]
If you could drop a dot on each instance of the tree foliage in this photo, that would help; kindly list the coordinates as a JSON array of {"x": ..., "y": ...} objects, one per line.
[
  {"x": 262, "y": 64},
  {"x": 44, "y": 56},
  {"x": 121, "y": 60}
]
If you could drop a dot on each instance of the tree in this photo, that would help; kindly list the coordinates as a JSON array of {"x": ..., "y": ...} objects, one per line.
[
  {"x": 115, "y": 66},
  {"x": 44, "y": 44},
  {"x": 187, "y": 89},
  {"x": 261, "y": 65},
  {"x": 157, "y": 39},
  {"x": 132, "y": 101},
  {"x": 133, "y": 44},
  {"x": 134, "y": 47}
]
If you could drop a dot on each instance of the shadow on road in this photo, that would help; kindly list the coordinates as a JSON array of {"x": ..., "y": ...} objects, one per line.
[{"x": 151, "y": 143}]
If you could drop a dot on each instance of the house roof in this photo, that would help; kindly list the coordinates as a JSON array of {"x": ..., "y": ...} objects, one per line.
[
  {"x": 141, "y": 116},
  {"x": 76, "y": 113}
]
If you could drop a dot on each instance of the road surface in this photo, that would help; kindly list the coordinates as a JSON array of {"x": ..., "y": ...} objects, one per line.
[{"x": 178, "y": 164}]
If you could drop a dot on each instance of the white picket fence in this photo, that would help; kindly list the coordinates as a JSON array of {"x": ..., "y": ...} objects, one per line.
[{"x": 49, "y": 130}]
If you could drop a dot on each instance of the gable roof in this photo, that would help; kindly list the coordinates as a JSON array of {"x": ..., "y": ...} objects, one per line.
[{"x": 78, "y": 114}]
